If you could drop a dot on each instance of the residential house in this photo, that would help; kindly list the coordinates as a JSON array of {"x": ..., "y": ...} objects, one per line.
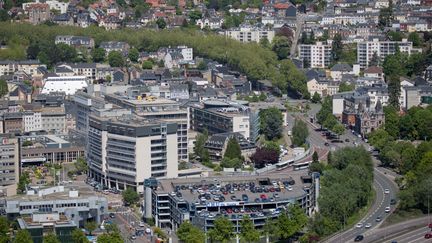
[
  {"x": 367, "y": 121},
  {"x": 63, "y": 19},
  {"x": 30, "y": 67},
  {"x": 75, "y": 41},
  {"x": 210, "y": 22},
  {"x": 374, "y": 72},
  {"x": 38, "y": 12},
  {"x": 109, "y": 46},
  {"x": 340, "y": 69},
  {"x": 217, "y": 145}
]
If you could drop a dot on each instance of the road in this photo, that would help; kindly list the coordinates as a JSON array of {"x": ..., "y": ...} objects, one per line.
[
  {"x": 382, "y": 180},
  {"x": 299, "y": 24},
  {"x": 408, "y": 231}
]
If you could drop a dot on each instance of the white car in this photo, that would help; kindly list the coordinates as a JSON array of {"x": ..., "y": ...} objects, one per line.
[
  {"x": 148, "y": 231},
  {"x": 141, "y": 224},
  {"x": 386, "y": 191},
  {"x": 289, "y": 188},
  {"x": 359, "y": 225},
  {"x": 368, "y": 225},
  {"x": 387, "y": 210}
]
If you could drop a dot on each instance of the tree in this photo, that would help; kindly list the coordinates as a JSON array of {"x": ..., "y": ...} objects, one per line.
[
  {"x": 315, "y": 158},
  {"x": 281, "y": 46},
  {"x": 326, "y": 109},
  {"x": 161, "y": 23},
  {"x": 189, "y": 233},
  {"x": 316, "y": 98},
  {"x": 81, "y": 165},
  {"x": 233, "y": 149},
  {"x": 195, "y": 15},
  {"x": 90, "y": 226},
  {"x": 23, "y": 236},
  {"x": 116, "y": 59},
  {"x": 133, "y": 55},
  {"x": 415, "y": 39},
  {"x": 262, "y": 96},
  {"x": 393, "y": 65},
  {"x": 300, "y": 133},
  {"x": 337, "y": 48},
  {"x": 395, "y": 35},
  {"x": 292, "y": 79},
  {"x": 98, "y": 55},
  {"x": 4, "y": 229},
  {"x": 345, "y": 87},
  {"x": 222, "y": 230},
  {"x": 113, "y": 237},
  {"x": 271, "y": 123},
  {"x": 330, "y": 122},
  {"x": 231, "y": 163},
  {"x": 385, "y": 17},
  {"x": 130, "y": 196},
  {"x": 24, "y": 180},
  {"x": 392, "y": 121},
  {"x": 202, "y": 65},
  {"x": 200, "y": 141},
  {"x": 3, "y": 88},
  {"x": 66, "y": 53},
  {"x": 375, "y": 61},
  {"x": 147, "y": 65},
  {"x": 264, "y": 42},
  {"x": 339, "y": 129},
  {"x": 379, "y": 138},
  {"x": 51, "y": 238},
  {"x": 264, "y": 156},
  {"x": 248, "y": 232},
  {"x": 270, "y": 228},
  {"x": 78, "y": 236},
  {"x": 394, "y": 89}
]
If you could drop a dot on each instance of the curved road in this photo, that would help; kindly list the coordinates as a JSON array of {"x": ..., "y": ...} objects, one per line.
[
  {"x": 382, "y": 180},
  {"x": 408, "y": 231}
]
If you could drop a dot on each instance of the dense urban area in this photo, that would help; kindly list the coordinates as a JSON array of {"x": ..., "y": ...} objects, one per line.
[{"x": 215, "y": 121}]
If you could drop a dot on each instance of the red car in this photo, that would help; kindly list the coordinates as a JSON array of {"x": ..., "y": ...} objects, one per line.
[
  {"x": 263, "y": 196},
  {"x": 430, "y": 225},
  {"x": 229, "y": 210},
  {"x": 272, "y": 189},
  {"x": 428, "y": 235}
]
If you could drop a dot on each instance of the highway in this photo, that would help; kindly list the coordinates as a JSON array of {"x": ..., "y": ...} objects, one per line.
[
  {"x": 409, "y": 231},
  {"x": 382, "y": 181}
]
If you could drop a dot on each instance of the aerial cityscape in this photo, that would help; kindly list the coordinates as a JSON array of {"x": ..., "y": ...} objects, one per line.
[{"x": 215, "y": 121}]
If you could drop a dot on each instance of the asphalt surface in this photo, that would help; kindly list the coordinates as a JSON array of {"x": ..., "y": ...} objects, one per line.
[
  {"x": 408, "y": 231},
  {"x": 382, "y": 179}
]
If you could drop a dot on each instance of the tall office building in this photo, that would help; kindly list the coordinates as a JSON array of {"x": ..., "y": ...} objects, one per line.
[
  {"x": 162, "y": 109},
  {"x": 367, "y": 49},
  {"x": 125, "y": 150}
]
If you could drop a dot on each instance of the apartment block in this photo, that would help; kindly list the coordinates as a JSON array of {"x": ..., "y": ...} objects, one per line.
[
  {"x": 367, "y": 49},
  {"x": 318, "y": 55},
  {"x": 123, "y": 151},
  {"x": 9, "y": 165},
  {"x": 250, "y": 34}
]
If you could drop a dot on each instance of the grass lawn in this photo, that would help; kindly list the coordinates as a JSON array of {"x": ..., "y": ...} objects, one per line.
[{"x": 402, "y": 215}]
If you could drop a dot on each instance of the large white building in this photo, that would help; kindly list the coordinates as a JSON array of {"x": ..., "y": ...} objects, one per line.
[
  {"x": 250, "y": 34},
  {"x": 318, "y": 55},
  {"x": 123, "y": 151},
  {"x": 67, "y": 84},
  {"x": 366, "y": 50}
]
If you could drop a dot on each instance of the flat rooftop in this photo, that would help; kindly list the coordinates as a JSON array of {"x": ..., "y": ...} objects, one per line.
[
  {"x": 84, "y": 191},
  {"x": 190, "y": 187}
]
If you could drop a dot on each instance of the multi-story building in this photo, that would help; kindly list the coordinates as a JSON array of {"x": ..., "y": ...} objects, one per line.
[
  {"x": 76, "y": 41},
  {"x": 317, "y": 55},
  {"x": 32, "y": 121},
  {"x": 221, "y": 117},
  {"x": 38, "y": 12},
  {"x": 78, "y": 206},
  {"x": 123, "y": 151},
  {"x": 9, "y": 165},
  {"x": 166, "y": 110},
  {"x": 109, "y": 46},
  {"x": 42, "y": 224},
  {"x": 67, "y": 84},
  {"x": 81, "y": 69},
  {"x": 201, "y": 201},
  {"x": 250, "y": 34},
  {"x": 29, "y": 67},
  {"x": 53, "y": 119},
  {"x": 50, "y": 148},
  {"x": 12, "y": 122},
  {"x": 367, "y": 49}
]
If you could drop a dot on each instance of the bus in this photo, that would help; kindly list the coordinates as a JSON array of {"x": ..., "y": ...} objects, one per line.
[
  {"x": 302, "y": 166},
  {"x": 284, "y": 164}
]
